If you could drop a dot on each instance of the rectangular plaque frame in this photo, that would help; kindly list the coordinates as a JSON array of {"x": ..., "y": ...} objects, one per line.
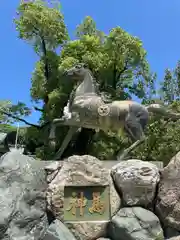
[{"x": 88, "y": 208}]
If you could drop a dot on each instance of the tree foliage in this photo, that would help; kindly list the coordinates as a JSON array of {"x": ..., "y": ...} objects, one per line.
[
  {"x": 119, "y": 64},
  {"x": 9, "y": 113},
  {"x": 163, "y": 135}
]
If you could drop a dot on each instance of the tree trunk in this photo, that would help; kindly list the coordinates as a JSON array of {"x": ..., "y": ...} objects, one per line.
[{"x": 80, "y": 145}]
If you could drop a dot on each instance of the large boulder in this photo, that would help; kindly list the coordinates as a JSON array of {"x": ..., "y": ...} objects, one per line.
[
  {"x": 170, "y": 232},
  {"x": 168, "y": 204},
  {"x": 81, "y": 171},
  {"x": 174, "y": 238},
  {"x": 103, "y": 239},
  {"x": 135, "y": 223},
  {"x": 136, "y": 181},
  {"x": 3, "y": 143},
  {"x": 22, "y": 198},
  {"x": 58, "y": 231}
]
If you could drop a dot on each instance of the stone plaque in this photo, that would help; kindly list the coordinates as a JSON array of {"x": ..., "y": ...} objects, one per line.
[{"x": 86, "y": 203}]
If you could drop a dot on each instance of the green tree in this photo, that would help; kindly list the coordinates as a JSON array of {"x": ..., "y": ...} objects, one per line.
[
  {"x": 10, "y": 113},
  {"x": 43, "y": 27},
  {"x": 163, "y": 134},
  {"x": 117, "y": 60},
  {"x": 119, "y": 64}
]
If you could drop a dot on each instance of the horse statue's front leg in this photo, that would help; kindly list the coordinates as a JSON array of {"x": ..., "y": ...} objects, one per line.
[
  {"x": 52, "y": 135},
  {"x": 67, "y": 119},
  {"x": 67, "y": 115},
  {"x": 66, "y": 112}
]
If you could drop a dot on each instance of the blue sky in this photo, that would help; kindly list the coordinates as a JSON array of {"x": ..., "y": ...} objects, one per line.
[{"x": 156, "y": 23}]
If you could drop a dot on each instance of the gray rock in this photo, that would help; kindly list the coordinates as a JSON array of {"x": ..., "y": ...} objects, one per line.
[
  {"x": 174, "y": 238},
  {"x": 22, "y": 198},
  {"x": 135, "y": 223},
  {"x": 77, "y": 171},
  {"x": 136, "y": 181},
  {"x": 52, "y": 169},
  {"x": 2, "y": 137},
  {"x": 103, "y": 239},
  {"x": 168, "y": 204},
  {"x": 20, "y": 149},
  {"x": 170, "y": 232},
  {"x": 109, "y": 164},
  {"x": 58, "y": 231},
  {"x": 3, "y": 143}
]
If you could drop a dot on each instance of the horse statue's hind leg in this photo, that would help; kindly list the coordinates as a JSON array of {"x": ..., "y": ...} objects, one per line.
[
  {"x": 134, "y": 127},
  {"x": 72, "y": 130},
  {"x": 52, "y": 135}
]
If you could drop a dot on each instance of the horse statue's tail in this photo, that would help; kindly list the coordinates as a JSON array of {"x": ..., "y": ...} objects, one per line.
[{"x": 161, "y": 110}]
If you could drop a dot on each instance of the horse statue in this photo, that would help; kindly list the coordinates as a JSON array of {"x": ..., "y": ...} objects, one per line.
[{"x": 87, "y": 109}]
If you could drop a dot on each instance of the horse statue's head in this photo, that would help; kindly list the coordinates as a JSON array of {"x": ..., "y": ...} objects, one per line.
[
  {"x": 77, "y": 72},
  {"x": 84, "y": 79}
]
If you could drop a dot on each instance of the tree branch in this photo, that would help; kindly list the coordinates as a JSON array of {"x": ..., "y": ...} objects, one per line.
[
  {"x": 114, "y": 76},
  {"x": 24, "y": 121},
  {"x": 123, "y": 70},
  {"x": 20, "y": 119},
  {"x": 46, "y": 70},
  {"x": 44, "y": 50},
  {"x": 38, "y": 109}
]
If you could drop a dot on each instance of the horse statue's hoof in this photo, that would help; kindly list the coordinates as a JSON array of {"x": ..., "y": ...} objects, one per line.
[
  {"x": 61, "y": 120},
  {"x": 57, "y": 120},
  {"x": 52, "y": 144}
]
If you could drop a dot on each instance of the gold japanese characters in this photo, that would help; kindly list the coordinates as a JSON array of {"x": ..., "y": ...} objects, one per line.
[{"x": 87, "y": 203}]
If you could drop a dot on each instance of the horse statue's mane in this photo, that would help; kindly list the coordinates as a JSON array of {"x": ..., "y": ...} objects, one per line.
[{"x": 94, "y": 81}]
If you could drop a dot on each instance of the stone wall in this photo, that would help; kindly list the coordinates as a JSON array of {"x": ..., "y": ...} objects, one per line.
[{"x": 143, "y": 199}]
